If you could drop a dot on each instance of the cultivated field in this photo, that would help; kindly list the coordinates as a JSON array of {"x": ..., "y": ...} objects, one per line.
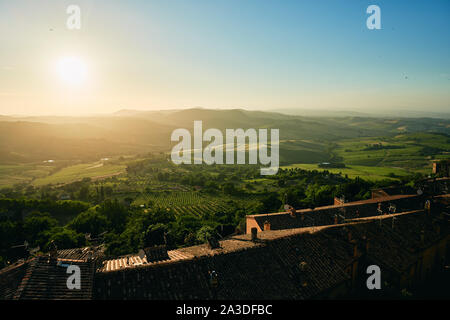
[
  {"x": 15, "y": 174},
  {"x": 412, "y": 152},
  {"x": 77, "y": 172},
  {"x": 353, "y": 171}
]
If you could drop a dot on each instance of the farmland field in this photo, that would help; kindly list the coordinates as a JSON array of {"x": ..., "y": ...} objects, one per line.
[
  {"x": 378, "y": 158},
  {"x": 14, "y": 174},
  {"x": 127, "y": 196},
  {"x": 408, "y": 151},
  {"x": 80, "y": 171},
  {"x": 191, "y": 202},
  {"x": 353, "y": 171}
]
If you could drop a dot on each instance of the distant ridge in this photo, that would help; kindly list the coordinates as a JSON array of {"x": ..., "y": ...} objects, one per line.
[
  {"x": 303, "y": 139},
  {"x": 382, "y": 113}
]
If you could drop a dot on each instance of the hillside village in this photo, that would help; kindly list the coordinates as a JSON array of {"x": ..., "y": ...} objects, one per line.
[
  {"x": 319, "y": 253},
  {"x": 207, "y": 153}
]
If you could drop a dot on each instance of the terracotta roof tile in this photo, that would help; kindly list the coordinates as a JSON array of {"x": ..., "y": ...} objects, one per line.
[
  {"x": 47, "y": 281},
  {"x": 326, "y": 215}
]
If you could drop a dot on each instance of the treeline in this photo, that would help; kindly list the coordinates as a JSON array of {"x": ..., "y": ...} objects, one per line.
[
  {"x": 37, "y": 222},
  {"x": 84, "y": 190},
  {"x": 125, "y": 228},
  {"x": 59, "y": 209}
]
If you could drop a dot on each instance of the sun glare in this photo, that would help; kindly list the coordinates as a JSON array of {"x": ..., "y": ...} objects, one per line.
[{"x": 72, "y": 70}]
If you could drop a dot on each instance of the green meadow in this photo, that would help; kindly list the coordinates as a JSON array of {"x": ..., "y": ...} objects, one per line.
[
  {"x": 353, "y": 171},
  {"x": 22, "y": 173},
  {"x": 77, "y": 172},
  {"x": 408, "y": 151}
]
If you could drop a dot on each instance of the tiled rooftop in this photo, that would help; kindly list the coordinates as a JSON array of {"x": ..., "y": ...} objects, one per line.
[
  {"x": 10, "y": 279},
  {"x": 345, "y": 205},
  {"x": 245, "y": 269},
  {"x": 44, "y": 280},
  {"x": 133, "y": 261},
  {"x": 299, "y": 262},
  {"x": 36, "y": 278},
  {"x": 326, "y": 215},
  {"x": 76, "y": 253}
]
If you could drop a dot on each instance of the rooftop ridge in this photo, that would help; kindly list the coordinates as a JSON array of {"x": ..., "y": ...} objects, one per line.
[
  {"x": 188, "y": 256},
  {"x": 263, "y": 238},
  {"x": 25, "y": 279},
  {"x": 386, "y": 216},
  {"x": 333, "y": 206},
  {"x": 14, "y": 265}
]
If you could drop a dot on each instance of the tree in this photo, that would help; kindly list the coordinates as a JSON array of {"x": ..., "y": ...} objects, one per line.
[
  {"x": 108, "y": 191},
  {"x": 8, "y": 235},
  {"x": 90, "y": 221},
  {"x": 271, "y": 203},
  {"x": 155, "y": 235},
  {"x": 66, "y": 238},
  {"x": 205, "y": 233},
  {"x": 84, "y": 193},
  {"x": 229, "y": 188},
  {"x": 116, "y": 214},
  {"x": 37, "y": 228},
  {"x": 102, "y": 193}
]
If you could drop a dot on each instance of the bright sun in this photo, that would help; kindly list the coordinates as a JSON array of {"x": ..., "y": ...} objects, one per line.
[{"x": 72, "y": 70}]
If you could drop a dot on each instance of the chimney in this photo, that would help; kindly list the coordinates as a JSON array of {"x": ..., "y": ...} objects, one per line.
[
  {"x": 156, "y": 253},
  {"x": 335, "y": 219},
  {"x": 254, "y": 234},
  {"x": 428, "y": 206},
  {"x": 90, "y": 255},
  {"x": 339, "y": 201},
  {"x": 266, "y": 225},
  {"x": 53, "y": 252},
  {"x": 292, "y": 212},
  {"x": 213, "y": 243}
]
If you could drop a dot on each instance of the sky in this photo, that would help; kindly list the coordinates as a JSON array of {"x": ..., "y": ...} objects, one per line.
[{"x": 253, "y": 54}]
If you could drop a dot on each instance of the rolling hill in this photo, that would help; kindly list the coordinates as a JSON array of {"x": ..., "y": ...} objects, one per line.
[{"x": 303, "y": 139}]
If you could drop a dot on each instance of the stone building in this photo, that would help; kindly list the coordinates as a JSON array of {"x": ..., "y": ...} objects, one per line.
[
  {"x": 332, "y": 214},
  {"x": 441, "y": 168},
  {"x": 283, "y": 261}
]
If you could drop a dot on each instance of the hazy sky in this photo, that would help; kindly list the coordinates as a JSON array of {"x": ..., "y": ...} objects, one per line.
[{"x": 255, "y": 54}]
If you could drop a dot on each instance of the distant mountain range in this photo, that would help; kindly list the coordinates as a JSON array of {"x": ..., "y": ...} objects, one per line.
[
  {"x": 403, "y": 113},
  {"x": 131, "y": 131}
]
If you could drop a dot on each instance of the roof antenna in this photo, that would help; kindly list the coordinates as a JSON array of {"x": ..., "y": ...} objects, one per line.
[{"x": 141, "y": 255}]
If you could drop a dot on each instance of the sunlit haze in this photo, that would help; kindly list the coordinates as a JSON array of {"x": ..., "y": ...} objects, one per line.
[
  {"x": 151, "y": 55},
  {"x": 72, "y": 70}
]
